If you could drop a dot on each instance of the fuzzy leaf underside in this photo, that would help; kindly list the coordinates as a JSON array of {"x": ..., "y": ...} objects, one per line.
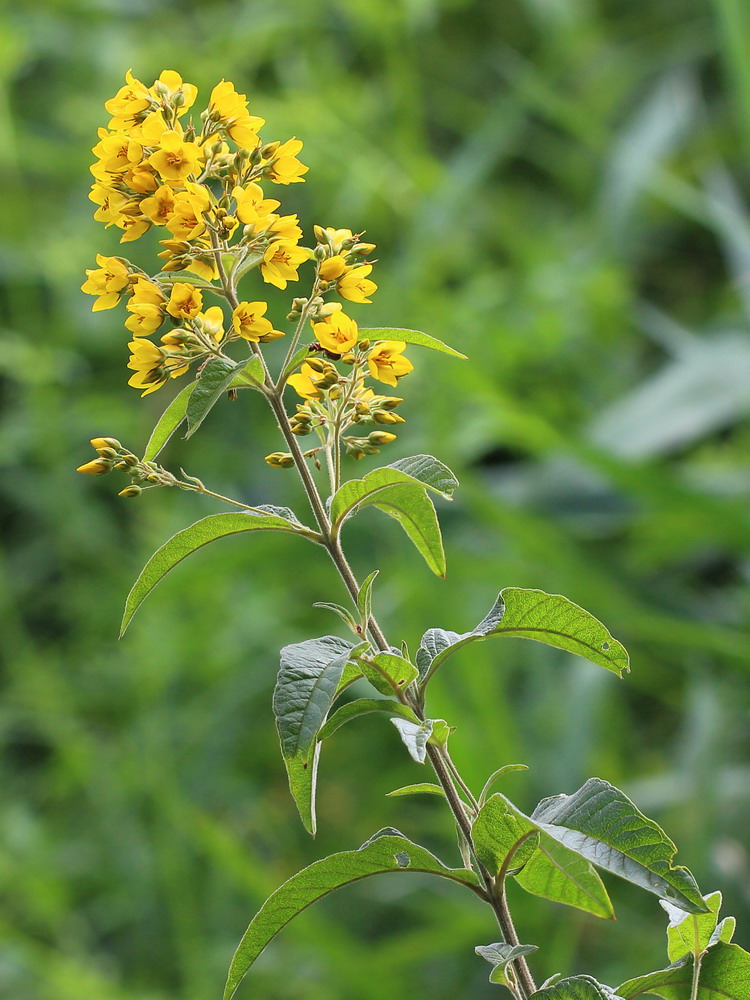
[
  {"x": 575, "y": 988},
  {"x": 530, "y": 614},
  {"x": 600, "y": 823},
  {"x": 724, "y": 975},
  {"x": 389, "y": 852},
  {"x": 190, "y": 539},
  {"x": 168, "y": 423},
  {"x": 423, "y": 471},
  {"x": 504, "y": 838}
]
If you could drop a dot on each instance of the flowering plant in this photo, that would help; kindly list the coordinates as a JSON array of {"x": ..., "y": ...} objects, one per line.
[{"x": 202, "y": 182}]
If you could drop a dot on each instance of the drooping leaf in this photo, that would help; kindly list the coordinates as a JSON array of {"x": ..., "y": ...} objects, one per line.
[
  {"x": 500, "y": 954},
  {"x": 414, "y": 736},
  {"x": 507, "y": 841},
  {"x": 390, "y": 852},
  {"x": 415, "y": 512},
  {"x": 419, "y": 470},
  {"x": 306, "y": 685},
  {"x": 364, "y": 706},
  {"x": 415, "y": 337},
  {"x": 530, "y": 614},
  {"x": 600, "y": 823},
  {"x": 724, "y": 975},
  {"x": 217, "y": 376},
  {"x": 496, "y": 776},
  {"x": 575, "y": 988},
  {"x": 389, "y": 673},
  {"x": 690, "y": 933},
  {"x": 422, "y": 788},
  {"x": 195, "y": 537},
  {"x": 168, "y": 423}
]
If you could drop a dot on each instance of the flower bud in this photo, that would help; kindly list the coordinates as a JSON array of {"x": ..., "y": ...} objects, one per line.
[
  {"x": 321, "y": 252},
  {"x": 97, "y": 467},
  {"x": 381, "y": 437},
  {"x": 105, "y": 443},
  {"x": 280, "y": 460},
  {"x": 130, "y": 491},
  {"x": 364, "y": 345},
  {"x": 386, "y": 417}
]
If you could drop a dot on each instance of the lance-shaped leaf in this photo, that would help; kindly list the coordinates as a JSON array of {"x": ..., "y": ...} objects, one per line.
[
  {"x": 181, "y": 278},
  {"x": 364, "y": 706},
  {"x": 530, "y": 614},
  {"x": 250, "y": 261},
  {"x": 388, "y": 852},
  {"x": 507, "y": 841},
  {"x": 306, "y": 685},
  {"x": 422, "y": 788},
  {"x": 419, "y": 470},
  {"x": 195, "y": 537},
  {"x": 415, "y": 337},
  {"x": 691, "y": 933},
  {"x": 575, "y": 988},
  {"x": 724, "y": 975},
  {"x": 218, "y": 375},
  {"x": 500, "y": 954},
  {"x": 168, "y": 423},
  {"x": 600, "y": 823}
]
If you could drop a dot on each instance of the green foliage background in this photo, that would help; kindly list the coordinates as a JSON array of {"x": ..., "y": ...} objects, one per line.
[{"x": 556, "y": 187}]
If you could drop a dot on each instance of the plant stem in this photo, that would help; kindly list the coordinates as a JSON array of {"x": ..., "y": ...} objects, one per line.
[{"x": 697, "y": 960}]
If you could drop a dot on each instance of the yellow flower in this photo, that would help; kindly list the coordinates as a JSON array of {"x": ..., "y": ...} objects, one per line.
[
  {"x": 130, "y": 103},
  {"x": 280, "y": 262},
  {"x": 186, "y": 221},
  {"x": 333, "y": 268},
  {"x": 283, "y": 166},
  {"x": 116, "y": 151},
  {"x": 385, "y": 361},
  {"x": 285, "y": 227},
  {"x": 185, "y": 301},
  {"x": 181, "y": 256},
  {"x": 355, "y": 285},
  {"x": 148, "y": 362},
  {"x": 110, "y": 204},
  {"x": 134, "y": 224},
  {"x": 146, "y": 307},
  {"x": 176, "y": 159},
  {"x": 211, "y": 323},
  {"x": 151, "y": 129},
  {"x": 170, "y": 86},
  {"x": 253, "y": 209},
  {"x": 141, "y": 178},
  {"x": 337, "y": 333},
  {"x": 108, "y": 282},
  {"x": 231, "y": 109},
  {"x": 304, "y": 382},
  {"x": 248, "y": 321},
  {"x": 159, "y": 207},
  {"x": 96, "y": 467}
]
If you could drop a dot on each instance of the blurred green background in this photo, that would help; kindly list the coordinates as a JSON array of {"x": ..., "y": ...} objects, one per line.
[{"x": 558, "y": 188}]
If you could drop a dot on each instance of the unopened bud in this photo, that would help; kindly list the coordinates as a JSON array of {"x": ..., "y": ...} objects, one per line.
[
  {"x": 107, "y": 453},
  {"x": 386, "y": 417},
  {"x": 348, "y": 358},
  {"x": 105, "y": 443},
  {"x": 381, "y": 437},
  {"x": 335, "y": 392},
  {"x": 317, "y": 365},
  {"x": 321, "y": 252},
  {"x": 280, "y": 460},
  {"x": 364, "y": 345},
  {"x": 130, "y": 491},
  {"x": 178, "y": 98},
  {"x": 362, "y": 249},
  {"x": 97, "y": 467}
]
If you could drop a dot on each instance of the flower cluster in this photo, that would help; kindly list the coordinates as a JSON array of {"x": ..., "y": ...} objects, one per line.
[{"x": 198, "y": 180}]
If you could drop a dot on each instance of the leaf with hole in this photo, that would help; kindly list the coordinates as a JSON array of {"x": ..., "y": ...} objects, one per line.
[
  {"x": 209, "y": 529},
  {"x": 387, "y": 852},
  {"x": 508, "y": 842},
  {"x": 600, "y": 823},
  {"x": 389, "y": 673},
  {"x": 529, "y": 614}
]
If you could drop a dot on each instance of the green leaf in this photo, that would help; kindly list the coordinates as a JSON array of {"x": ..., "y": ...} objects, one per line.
[
  {"x": 441, "y": 732},
  {"x": 414, "y": 511},
  {"x": 344, "y": 614},
  {"x": 414, "y": 736},
  {"x": 690, "y": 933},
  {"x": 168, "y": 423},
  {"x": 215, "y": 378},
  {"x": 415, "y": 337},
  {"x": 575, "y": 988},
  {"x": 184, "y": 277},
  {"x": 250, "y": 376},
  {"x": 300, "y": 355},
  {"x": 500, "y": 954},
  {"x": 389, "y": 673},
  {"x": 600, "y": 823},
  {"x": 306, "y": 685},
  {"x": 252, "y": 260},
  {"x": 423, "y": 788},
  {"x": 724, "y": 975},
  {"x": 496, "y": 776},
  {"x": 388, "y": 852},
  {"x": 364, "y": 706},
  {"x": 364, "y": 598},
  {"x": 724, "y": 931},
  {"x": 195, "y": 537},
  {"x": 506, "y": 841},
  {"x": 419, "y": 470},
  {"x": 530, "y": 614}
]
